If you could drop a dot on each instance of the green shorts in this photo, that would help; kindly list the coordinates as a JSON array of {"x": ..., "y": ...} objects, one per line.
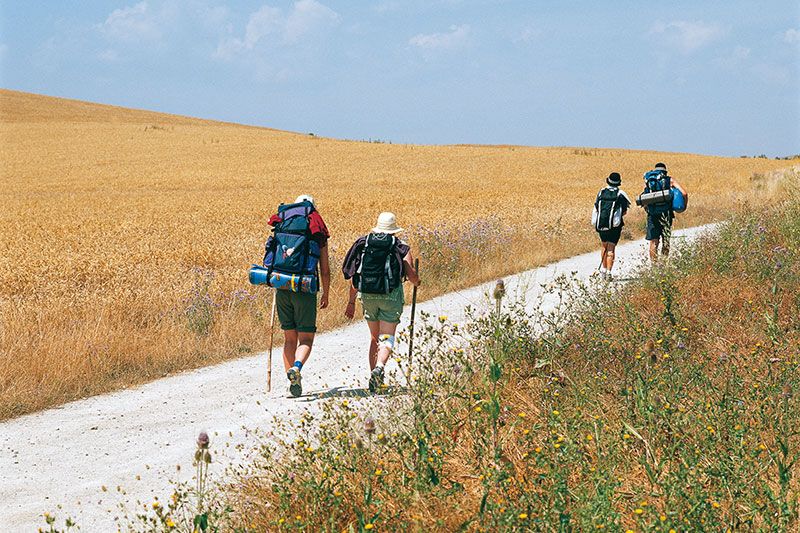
[
  {"x": 297, "y": 310},
  {"x": 383, "y": 307}
]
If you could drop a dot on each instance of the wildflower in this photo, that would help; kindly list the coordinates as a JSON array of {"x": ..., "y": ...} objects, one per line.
[
  {"x": 626, "y": 436},
  {"x": 638, "y": 510},
  {"x": 368, "y": 526},
  {"x": 715, "y": 505},
  {"x": 538, "y": 449},
  {"x": 662, "y": 517},
  {"x": 203, "y": 440},
  {"x": 156, "y": 505},
  {"x": 556, "y": 413},
  {"x": 442, "y": 318},
  {"x": 170, "y": 523},
  {"x": 526, "y": 431},
  {"x": 523, "y": 516},
  {"x": 522, "y": 415},
  {"x": 378, "y": 472},
  {"x": 589, "y": 437}
]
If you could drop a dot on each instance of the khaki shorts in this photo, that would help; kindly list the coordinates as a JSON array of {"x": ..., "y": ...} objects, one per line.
[{"x": 383, "y": 307}]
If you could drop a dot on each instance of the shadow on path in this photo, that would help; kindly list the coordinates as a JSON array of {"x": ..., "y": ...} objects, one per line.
[{"x": 344, "y": 392}]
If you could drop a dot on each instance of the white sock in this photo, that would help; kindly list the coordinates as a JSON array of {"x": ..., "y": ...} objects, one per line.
[{"x": 378, "y": 365}]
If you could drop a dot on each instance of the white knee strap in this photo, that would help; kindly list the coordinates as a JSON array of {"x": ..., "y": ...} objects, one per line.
[{"x": 386, "y": 341}]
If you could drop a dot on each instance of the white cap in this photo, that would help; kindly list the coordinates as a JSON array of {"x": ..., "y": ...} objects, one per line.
[
  {"x": 387, "y": 223},
  {"x": 304, "y": 198}
]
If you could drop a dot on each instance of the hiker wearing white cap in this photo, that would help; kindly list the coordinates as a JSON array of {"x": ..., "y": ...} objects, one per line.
[
  {"x": 377, "y": 264},
  {"x": 299, "y": 265}
]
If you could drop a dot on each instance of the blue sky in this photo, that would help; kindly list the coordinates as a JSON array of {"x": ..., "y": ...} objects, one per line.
[{"x": 711, "y": 77}]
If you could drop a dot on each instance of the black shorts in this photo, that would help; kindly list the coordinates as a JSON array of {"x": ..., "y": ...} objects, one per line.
[
  {"x": 611, "y": 235},
  {"x": 656, "y": 224}
]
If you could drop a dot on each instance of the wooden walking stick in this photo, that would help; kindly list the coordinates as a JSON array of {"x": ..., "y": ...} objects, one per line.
[
  {"x": 271, "y": 337},
  {"x": 411, "y": 325}
]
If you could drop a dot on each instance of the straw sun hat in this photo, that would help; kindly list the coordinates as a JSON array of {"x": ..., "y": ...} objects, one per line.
[{"x": 387, "y": 223}]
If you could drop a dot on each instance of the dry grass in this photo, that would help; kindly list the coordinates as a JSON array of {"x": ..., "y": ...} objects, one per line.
[{"x": 109, "y": 212}]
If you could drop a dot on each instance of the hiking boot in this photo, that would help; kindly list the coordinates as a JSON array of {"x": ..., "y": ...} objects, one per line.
[
  {"x": 609, "y": 277},
  {"x": 295, "y": 387},
  {"x": 376, "y": 379}
]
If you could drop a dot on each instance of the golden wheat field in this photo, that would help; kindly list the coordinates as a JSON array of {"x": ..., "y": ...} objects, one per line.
[{"x": 126, "y": 235}]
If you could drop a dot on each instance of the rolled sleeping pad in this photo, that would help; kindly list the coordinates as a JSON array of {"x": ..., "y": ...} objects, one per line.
[
  {"x": 655, "y": 197},
  {"x": 678, "y": 201},
  {"x": 260, "y": 275}
]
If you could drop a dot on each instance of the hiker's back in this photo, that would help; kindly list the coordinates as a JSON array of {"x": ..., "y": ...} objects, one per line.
[
  {"x": 291, "y": 253},
  {"x": 657, "y": 186},
  {"x": 380, "y": 271}
]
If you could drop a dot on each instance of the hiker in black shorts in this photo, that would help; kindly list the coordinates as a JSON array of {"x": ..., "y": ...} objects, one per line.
[
  {"x": 660, "y": 218},
  {"x": 610, "y": 207}
]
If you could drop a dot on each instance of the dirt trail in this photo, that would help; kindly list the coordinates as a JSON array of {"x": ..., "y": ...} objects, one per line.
[{"x": 135, "y": 438}]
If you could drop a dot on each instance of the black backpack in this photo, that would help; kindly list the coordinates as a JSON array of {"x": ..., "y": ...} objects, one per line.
[
  {"x": 290, "y": 249},
  {"x": 380, "y": 271},
  {"x": 609, "y": 212},
  {"x": 655, "y": 181}
]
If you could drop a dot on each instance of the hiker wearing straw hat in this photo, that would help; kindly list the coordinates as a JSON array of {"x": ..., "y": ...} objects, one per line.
[
  {"x": 610, "y": 207},
  {"x": 377, "y": 264}
]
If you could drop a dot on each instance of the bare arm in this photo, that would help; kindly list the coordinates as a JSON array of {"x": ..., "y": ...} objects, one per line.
[
  {"x": 409, "y": 269},
  {"x": 325, "y": 276},
  {"x": 678, "y": 186},
  {"x": 350, "y": 310}
]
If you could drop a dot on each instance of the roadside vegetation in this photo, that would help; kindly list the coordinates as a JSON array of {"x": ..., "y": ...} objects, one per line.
[
  {"x": 667, "y": 404},
  {"x": 126, "y": 235}
]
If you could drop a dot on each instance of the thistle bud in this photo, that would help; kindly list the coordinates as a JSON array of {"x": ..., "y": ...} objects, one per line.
[
  {"x": 203, "y": 440},
  {"x": 499, "y": 289}
]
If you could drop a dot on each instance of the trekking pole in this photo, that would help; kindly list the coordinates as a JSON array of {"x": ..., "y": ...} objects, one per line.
[
  {"x": 271, "y": 337},
  {"x": 411, "y": 325}
]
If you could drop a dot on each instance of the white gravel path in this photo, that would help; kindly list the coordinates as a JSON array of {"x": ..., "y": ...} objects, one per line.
[{"x": 135, "y": 438}]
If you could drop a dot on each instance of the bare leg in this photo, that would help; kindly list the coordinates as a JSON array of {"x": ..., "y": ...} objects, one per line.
[
  {"x": 654, "y": 250},
  {"x": 289, "y": 347},
  {"x": 305, "y": 343},
  {"x": 374, "y": 332},
  {"x": 386, "y": 328},
  {"x": 610, "y": 247}
]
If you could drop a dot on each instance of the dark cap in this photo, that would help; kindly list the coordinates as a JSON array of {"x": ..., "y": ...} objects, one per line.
[
  {"x": 661, "y": 165},
  {"x": 614, "y": 179}
]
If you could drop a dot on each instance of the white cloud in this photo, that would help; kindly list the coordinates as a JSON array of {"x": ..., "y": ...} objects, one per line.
[
  {"x": 133, "y": 23},
  {"x": 457, "y": 37},
  {"x": 687, "y": 36},
  {"x": 109, "y": 55},
  {"x": 792, "y": 36},
  {"x": 271, "y": 25},
  {"x": 306, "y": 17}
]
